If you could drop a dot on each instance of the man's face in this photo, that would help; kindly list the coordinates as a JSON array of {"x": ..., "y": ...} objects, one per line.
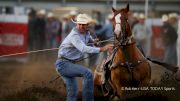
[
  {"x": 82, "y": 27},
  {"x": 141, "y": 21},
  {"x": 172, "y": 20}
]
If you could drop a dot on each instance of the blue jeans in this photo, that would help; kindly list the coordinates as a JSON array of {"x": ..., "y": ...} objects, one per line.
[{"x": 69, "y": 71}]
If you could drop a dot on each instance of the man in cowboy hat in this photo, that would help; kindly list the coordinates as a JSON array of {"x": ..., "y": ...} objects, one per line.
[
  {"x": 71, "y": 50},
  {"x": 72, "y": 15},
  {"x": 169, "y": 39},
  {"x": 143, "y": 34},
  {"x": 39, "y": 27}
]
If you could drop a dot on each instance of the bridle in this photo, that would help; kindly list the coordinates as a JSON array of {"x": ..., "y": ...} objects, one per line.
[{"x": 123, "y": 39}]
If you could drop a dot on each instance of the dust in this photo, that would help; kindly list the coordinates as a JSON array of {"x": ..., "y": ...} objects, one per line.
[
  {"x": 37, "y": 72},
  {"x": 30, "y": 81}
]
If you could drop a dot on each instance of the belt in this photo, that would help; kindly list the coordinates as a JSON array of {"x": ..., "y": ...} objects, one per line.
[{"x": 63, "y": 58}]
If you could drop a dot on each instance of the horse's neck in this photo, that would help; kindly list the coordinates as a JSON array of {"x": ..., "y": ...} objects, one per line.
[
  {"x": 129, "y": 30},
  {"x": 130, "y": 53}
]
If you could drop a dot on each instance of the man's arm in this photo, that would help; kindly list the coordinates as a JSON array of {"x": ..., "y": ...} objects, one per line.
[{"x": 79, "y": 44}]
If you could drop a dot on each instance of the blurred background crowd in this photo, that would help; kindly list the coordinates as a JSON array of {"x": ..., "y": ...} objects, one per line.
[{"x": 48, "y": 26}]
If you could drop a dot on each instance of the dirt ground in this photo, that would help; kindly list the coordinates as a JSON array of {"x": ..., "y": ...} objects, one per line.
[
  {"x": 32, "y": 76},
  {"x": 30, "y": 81}
]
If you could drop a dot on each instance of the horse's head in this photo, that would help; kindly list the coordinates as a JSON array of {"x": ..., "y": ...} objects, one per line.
[{"x": 121, "y": 26}]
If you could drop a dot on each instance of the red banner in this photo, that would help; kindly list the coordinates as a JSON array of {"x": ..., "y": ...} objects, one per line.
[
  {"x": 13, "y": 38},
  {"x": 157, "y": 49}
]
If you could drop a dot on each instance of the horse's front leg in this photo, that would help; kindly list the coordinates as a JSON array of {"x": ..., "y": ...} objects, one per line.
[{"x": 117, "y": 88}]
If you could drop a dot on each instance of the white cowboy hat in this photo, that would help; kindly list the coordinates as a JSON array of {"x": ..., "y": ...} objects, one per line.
[
  {"x": 173, "y": 15},
  {"x": 141, "y": 16},
  {"x": 50, "y": 15},
  {"x": 42, "y": 12},
  {"x": 135, "y": 14},
  {"x": 73, "y": 13},
  {"x": 164, "y": 18},
  {"x": 82, "y": 19}
]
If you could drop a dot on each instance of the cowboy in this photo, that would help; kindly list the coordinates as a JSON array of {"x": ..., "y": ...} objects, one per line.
[
  {"x": 170, "y": 40},
  {"x": 73, "y": 49},
  {"x": 142, "y": 34},
  {"x": 39, "y": 28},
  {"x": 70, "y": 24},
  {"x": 52, "y": 30}
]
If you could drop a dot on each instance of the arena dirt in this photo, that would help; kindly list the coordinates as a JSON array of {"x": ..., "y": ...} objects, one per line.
[{"x": 30, "y": 81}]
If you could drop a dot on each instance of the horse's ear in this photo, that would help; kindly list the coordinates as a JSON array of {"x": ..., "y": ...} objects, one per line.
[
  {"x": 127, "y": 7},
  {"x": 114, "y": 10}
]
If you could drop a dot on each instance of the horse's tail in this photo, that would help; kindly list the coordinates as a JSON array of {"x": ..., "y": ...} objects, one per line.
[{"x": 170, "y": 67}]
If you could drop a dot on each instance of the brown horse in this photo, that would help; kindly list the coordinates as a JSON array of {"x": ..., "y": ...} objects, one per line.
[{"x": 129, "y": 67}]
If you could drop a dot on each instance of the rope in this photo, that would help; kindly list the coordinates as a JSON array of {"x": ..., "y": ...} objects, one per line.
[
  {"x": 99, "y": 42},
  {"x": 36, "y": 51},
  {"x": 28, "y": 52}
]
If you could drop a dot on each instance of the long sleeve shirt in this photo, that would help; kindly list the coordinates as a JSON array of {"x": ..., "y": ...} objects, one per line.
[
  {"x": 141, "y": 32},
  {"x": 75, "y": 46},
  {"x": 52, "y": 28}
]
